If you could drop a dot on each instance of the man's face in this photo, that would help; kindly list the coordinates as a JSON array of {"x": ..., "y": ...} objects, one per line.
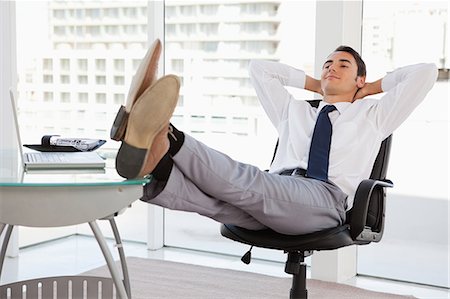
[{"x": 339, "y": 75}]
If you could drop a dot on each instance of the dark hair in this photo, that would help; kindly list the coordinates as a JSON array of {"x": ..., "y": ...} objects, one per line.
[{"x": 359, "y": 62}]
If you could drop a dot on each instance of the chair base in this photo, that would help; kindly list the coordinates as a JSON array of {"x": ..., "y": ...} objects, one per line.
[{"x": 296, "y": 266}]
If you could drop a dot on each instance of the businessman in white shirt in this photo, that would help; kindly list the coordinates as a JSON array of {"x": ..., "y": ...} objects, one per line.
[{"x": 291, "y": 198}]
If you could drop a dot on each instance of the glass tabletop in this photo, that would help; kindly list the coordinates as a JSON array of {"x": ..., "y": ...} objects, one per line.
[{"x": 13, "y": 175}]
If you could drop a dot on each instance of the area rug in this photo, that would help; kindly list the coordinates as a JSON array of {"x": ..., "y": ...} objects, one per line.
[{"x": 164, "y": 279}]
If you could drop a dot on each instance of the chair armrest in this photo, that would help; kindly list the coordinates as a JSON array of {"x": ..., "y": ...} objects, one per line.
[{"x": 358, "y": 229}]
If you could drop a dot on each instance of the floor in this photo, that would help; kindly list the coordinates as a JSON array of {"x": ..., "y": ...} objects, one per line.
[{"x": 76, "y": 254}]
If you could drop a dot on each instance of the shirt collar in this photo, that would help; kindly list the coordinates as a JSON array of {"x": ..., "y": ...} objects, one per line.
[{"x": 340, "y": 106}]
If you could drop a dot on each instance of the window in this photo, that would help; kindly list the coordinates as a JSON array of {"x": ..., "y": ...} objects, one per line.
[
  {"x": 177, "y": 65},
  {"x": 59, "y": 14},
  {"x": 209, "y": 46},
  {"x": 93, "y": 30},
  {"x": 112, "y": 29},
  {"x": 100, "y": 98},
  {"x": 64, "y": 79},
  {"x": 100, "y": 80},
  {"x": 48, "y": 64},
  {"x": 209, "y": 10},
  {"x": 79, "y": 13},
  {"x": 65, "y": 97},
  {"x": 67, "y": 65},
  {"x": 130, "y": 12},
  {"x": 187, "y": 10},
  {"x": 82, "y": 79},
  {"x": 83, "y": 97},
  {"x": 209, "y": 29},
  {"x": 80, "y": 31},
  {"x": 119, "y": 99},
  {"x": 111, "y": 12},
  {"x": 48, "y": 96},
  {"x": 415, "y": 245},
  {"x": 59, "y": 30},
  {"x": 82, "y": 64},
  {"x": 100, "y": 64},
  {"x": 188, "y": 29},
  {"x": 93, "y": 13},
  {"x": 119, "y": 80},
  {"x": 119, "y": 64},
  {"x": 47, "y": 79}
]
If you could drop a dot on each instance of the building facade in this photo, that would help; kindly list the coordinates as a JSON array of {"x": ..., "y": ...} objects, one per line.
[{"x": 83, "y": 74}]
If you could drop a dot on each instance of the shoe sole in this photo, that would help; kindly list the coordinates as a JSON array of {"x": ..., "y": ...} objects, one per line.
[
  {"x": 145, "y": 76},
  {"x": 152, "y": 110}
]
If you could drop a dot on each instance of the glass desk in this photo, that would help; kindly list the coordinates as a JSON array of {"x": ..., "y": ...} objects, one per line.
[{"x": 68, "y": 197}]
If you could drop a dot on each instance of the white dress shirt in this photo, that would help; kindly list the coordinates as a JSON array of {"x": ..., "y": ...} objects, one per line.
[{"x": 358, "y": 127}]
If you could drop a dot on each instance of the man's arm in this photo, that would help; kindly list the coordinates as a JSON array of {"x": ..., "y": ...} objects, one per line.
[
  {"x": 369, "y": 89},
  {"x": 405, "y": 88},
  {"x": 270, "y": 79},
  {"x": 313, "y": 85}
]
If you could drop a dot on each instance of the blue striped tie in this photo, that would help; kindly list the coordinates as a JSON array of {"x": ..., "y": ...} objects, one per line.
[{"x": 319, "y": 151}]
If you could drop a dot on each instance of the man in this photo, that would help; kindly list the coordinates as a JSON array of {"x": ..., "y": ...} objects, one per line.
[{"x": 312, "y": 180}]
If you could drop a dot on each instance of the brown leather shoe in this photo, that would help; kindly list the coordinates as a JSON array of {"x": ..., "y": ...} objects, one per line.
[
  {"x": 149, "y": 115},
  {"x": 145, "y": 77}
]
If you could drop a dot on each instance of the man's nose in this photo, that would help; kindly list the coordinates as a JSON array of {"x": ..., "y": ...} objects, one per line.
[{"x": 331, "y": 68}]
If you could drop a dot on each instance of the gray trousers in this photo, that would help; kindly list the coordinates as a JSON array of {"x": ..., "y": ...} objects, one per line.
[{"x": 212, "y": 184}]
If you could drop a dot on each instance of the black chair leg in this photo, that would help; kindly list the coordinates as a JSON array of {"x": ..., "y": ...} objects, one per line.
[{"x": 296, "y": 266}]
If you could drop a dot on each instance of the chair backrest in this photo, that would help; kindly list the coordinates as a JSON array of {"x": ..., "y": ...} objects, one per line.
[{"x": 375, "y": 213}]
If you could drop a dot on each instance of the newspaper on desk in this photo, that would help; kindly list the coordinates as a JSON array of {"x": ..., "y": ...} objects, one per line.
[
  {"x": 81, "y": 144},
  {"x": 56, "y": 143}
]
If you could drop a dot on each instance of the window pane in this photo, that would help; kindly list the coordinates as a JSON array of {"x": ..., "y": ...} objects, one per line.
[
  {"x": 83, "y": 64},
  {"x": 415, "y": 243},
  {"x": 75, "y": 65},
  {"x": 209, "y": 46}
]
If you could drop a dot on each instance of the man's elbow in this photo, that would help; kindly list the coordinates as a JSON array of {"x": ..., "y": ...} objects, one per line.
[
  {"x": 254, "y": 66},
  {"x": 430, "y": 72}
]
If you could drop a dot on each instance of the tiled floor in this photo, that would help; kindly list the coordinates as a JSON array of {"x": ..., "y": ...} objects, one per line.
[{"x": 76, "y": 254}]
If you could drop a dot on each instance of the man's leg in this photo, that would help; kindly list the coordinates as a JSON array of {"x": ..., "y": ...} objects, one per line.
[
  {"x": 177, "y": 192},
  {"x": 290, "y": 205}
]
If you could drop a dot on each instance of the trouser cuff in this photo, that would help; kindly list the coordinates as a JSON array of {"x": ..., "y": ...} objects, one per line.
[{"x": 163, "y": 168}]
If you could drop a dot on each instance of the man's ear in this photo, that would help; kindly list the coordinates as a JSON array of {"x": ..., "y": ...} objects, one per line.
[{"x": 360, "y": 81}]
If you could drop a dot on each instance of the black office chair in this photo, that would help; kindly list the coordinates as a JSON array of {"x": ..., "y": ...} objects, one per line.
[{"x": 364, "y": 224}]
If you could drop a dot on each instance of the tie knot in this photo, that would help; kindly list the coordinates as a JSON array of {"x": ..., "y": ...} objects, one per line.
[{"x": 328, "y": 109}]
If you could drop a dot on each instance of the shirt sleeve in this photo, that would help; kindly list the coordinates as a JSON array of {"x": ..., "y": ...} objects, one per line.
[
  {"x": 405, "y": 89},
  {"x": 269, "y": 80}
]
